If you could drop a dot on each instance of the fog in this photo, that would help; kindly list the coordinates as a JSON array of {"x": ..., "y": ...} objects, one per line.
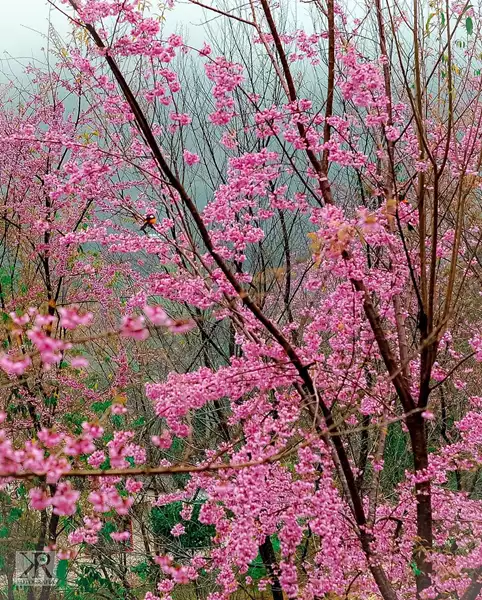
[
  {"x": 25, "y": 24},
  {"x": 24, "y": 27}
]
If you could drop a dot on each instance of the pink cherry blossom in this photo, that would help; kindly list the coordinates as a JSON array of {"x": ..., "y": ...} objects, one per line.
[{"x": 190, "y": 158}]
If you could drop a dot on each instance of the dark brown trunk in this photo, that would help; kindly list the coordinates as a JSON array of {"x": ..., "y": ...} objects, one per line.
[
  {"x": 416, "y": 427},
  {"x": 268, "y": 557},
  {"x": 363, "y": 456}
]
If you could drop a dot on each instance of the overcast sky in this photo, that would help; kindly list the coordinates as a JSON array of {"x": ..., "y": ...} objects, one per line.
[{"x": 24, "y": 25}]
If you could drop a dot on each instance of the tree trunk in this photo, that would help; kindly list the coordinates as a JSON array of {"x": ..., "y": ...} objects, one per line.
[
  {"x": 268, "y": 557},
  {"x": 416, "y": 427}
]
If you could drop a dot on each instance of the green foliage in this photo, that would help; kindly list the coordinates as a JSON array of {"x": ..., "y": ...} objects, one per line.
[
  {"x": 61, "y": 572},
  {"x": 50, "y": 402},
  {"x": 397, "y": 458},
  {"x": 6, "y": 278},
  {"x": 68, "y": 524},
  {"x": 107, "y": 437},
  {"x": 74, "y": 420},
  {"x": 197, "y": 535},
  {"x": 117, "y": 421},
  {"x": 100, "y": 407},
  {"x": 256, "y": 569},
  {"x": 146, "y": 571},
  {"x": 139, "y": 422},
  {"x": 14, "y": 514},
  {"x": 106, "y": 530},
  {"x": 90, "y": 580}
]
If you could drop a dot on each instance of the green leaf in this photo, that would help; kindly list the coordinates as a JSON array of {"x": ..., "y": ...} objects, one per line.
[
  {"x": 74, "y": 420},
  {"x": 117, "y": 420},
  {"x": 256, "y": 569},
  {"x": 107, "y": 529},
  {"x": 469, "y": 25},
  {"x": 100, "y": 407},
  {"x": 14, "y": 515},
  {"x": 62, "y": 572},
  {"x": 427, "y": 24},
  {"x": 143, "y": 570},
  {"x": 106, "y": 464},
  {"x": 3, "y": 532},
  {"x": 52, "y": 401},
  {"x": 197, "y": 536},
  {"x": 5, "y": 280},
  {"x": 442, "y": 16},
  {"x": 139, "y": 422}
]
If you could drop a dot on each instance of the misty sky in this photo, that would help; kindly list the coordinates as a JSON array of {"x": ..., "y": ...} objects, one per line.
[{"x": 24, "y": 25}]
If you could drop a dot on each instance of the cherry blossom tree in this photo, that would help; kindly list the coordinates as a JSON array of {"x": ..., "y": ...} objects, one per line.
[{"x": 301, "y": 306}]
